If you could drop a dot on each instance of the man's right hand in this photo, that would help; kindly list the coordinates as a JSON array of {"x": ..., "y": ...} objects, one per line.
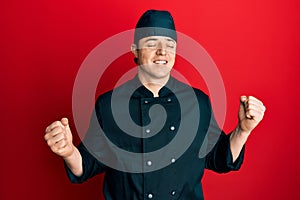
[{"x": 59, "y": 138}]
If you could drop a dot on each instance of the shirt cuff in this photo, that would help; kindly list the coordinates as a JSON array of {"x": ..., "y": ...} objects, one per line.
[{"x": 236, "y": 165}]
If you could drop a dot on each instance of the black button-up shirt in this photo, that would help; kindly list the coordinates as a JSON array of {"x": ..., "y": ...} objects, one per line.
[{"x": 167, "y": 154}]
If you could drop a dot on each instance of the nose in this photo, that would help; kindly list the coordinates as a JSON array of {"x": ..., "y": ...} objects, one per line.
[{"x": 161, "y": 50}]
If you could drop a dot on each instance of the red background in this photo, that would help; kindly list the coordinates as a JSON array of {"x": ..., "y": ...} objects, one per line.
[{"x": 255, "y": 45}]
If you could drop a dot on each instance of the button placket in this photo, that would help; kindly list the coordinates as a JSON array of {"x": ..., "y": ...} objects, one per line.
[{"x": 145, "y": 105}]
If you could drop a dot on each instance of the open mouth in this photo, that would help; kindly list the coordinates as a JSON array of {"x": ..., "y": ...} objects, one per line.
[{"x": 160, "y": 62}]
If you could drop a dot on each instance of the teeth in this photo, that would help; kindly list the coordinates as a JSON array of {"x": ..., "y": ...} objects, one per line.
[{"x": 160, "y": 62}]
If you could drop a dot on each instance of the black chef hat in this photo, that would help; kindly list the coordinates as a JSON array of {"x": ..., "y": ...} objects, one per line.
[{"x": 155, "y": 23}]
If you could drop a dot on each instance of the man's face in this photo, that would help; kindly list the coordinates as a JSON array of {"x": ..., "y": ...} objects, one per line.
[{"x": 156, "y": 56}]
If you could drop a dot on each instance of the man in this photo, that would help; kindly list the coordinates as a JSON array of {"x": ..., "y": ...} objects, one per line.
[{"x": 175, "y": 172}]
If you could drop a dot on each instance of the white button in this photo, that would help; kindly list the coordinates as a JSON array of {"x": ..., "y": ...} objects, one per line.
[
  {"x": 146, "y": 101},
  {"x": 172, "y": 128},
  {"x": 173, "y": 193},
  {"x": 173, "y": 160},
  {"x": 169, "y": 100},
  {"x": 147, "y": 130},
  {"x": 149, "y": 163},
  {"x": 150, "y": 196}
]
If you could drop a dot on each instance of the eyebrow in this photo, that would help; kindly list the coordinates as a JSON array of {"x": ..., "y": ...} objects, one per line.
[
  {"x": 151, "y": 39},
  {"x": 155, "y": 39},
  {"x": 170, "y": 40}
]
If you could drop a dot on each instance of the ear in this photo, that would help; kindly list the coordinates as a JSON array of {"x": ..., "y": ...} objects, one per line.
[{"x": 134, "y": 50}]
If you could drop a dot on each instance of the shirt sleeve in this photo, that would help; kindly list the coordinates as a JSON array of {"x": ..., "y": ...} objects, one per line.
[
  {"x": 218, "y": 152},
  {"x": 87, "y": 148},
  {"x": 91, "y": 166},
  {"x": 220, "y": 160}
]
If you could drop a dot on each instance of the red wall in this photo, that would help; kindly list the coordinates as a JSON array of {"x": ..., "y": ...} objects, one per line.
[{"x": 255, "y": 45}]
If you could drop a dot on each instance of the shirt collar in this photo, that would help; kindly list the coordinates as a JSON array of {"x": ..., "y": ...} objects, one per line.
[{"x": 142, "y": 91}]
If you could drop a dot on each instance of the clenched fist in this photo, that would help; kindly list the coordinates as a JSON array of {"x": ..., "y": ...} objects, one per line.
[
  {"x": 59, "y": 138},
  {"x": 251, "y": 113}
]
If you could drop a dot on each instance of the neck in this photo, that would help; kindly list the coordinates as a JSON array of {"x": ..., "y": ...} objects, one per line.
[{"x": 154, "y": 85}]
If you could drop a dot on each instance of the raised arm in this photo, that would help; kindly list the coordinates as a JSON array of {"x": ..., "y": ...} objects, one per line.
[{"x": 251, "y": 112}]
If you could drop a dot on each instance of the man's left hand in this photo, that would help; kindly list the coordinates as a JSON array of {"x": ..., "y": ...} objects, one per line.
[{"x": 251, "y": 113}]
